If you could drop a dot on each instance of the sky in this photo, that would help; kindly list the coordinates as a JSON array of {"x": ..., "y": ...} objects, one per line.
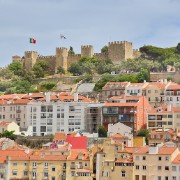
[{"x": 85, "y": 22}]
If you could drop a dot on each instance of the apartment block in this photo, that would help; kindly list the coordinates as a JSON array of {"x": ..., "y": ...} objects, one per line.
[
  {"x": 57, "y": 114},
  {"x": 173, "y": 95},
  {"x": 131, "y": 111}
]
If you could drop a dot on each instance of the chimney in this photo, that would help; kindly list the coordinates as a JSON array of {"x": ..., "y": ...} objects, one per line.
[
  {"x": 169, "y": 107},
  {"x": 48, "y": 97},
  {"x": 76, "y": 97}
]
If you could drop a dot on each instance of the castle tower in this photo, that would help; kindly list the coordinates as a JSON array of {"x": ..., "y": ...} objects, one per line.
[
  {"x": 87, "y": 51},
  {"x": 120, "y": 50},
  {"x": 30, "y": 58},
  {"x": 61, "y": 58}
]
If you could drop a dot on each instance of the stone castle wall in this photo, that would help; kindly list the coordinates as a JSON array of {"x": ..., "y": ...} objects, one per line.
[
  {"x": 51, "y": 60},
  {"x": 117, "y": 51}
]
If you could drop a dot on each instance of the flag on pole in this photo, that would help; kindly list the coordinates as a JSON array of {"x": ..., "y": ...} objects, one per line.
[
  {"x": 63, "y": 37},
  {"x": 32, "y": 40}
]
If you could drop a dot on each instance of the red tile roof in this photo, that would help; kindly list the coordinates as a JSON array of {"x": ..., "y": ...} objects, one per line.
[
  {"x": 75, "y": 152},
  {"x": 77, "y": 142},
  {"x": 4, "y": 123},
  {"x": 117, "y": 136},
  {"x": 173, "y": 87},
  {"x": 21, "y": 101},
  {"x": 166, "y": 150},
  {"x": 110, "y": 85},
  {"x": 177, "y": 159},
  {"x": 120, "y": 104},
  {"x": 59, "y": 136}
]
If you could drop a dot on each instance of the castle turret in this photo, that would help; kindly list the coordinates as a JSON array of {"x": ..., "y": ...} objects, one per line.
[
  {"x": 61, "y": 58},
  {"x": 120, "y": 50},
  {"x": 87, "y": 51},
  {"x": 30, "y": 58}
]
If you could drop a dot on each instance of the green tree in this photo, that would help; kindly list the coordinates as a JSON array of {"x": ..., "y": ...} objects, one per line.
[
  {"x": 22, "y": 86},
  {"x": 9, "y": 134},
  {"x": 71, "y": 51},
  {"x": 102, "y": 132},
  {"x": 144, "y": 133},
  {"x": 144, "y": 74},
  {"x": 104, "y": 49},
  {"x": 178, "y": 48},
  {"x": 60, "y": 70},
  {"x": 75, "y": 69},
  {"x": 6, "y": 73},
  {"x": 48, "y": 85},
  {"x": 16, "y": 68},
  {"x": 41, "y": 68},
  {"x": 104, "y": 79},
  {"x": 38, "y": 71}
]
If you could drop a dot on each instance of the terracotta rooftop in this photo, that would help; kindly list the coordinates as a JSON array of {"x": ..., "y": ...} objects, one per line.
[
  {"x": 173, "y": 87},
  {"x": 166, "y": 150},
  {"x": 177, "y": 159},
  {"x": 75, "y": 152},
  {"x": 120, "y": 104},
  {"x": 59, "y": 136},
  {"x": 117, "y": 136}
]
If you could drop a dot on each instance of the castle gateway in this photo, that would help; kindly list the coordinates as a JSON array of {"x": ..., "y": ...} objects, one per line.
[{"x": 117, "y": 51}]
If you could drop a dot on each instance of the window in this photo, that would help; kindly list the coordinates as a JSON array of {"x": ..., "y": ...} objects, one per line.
[
  {"x": 45, "y": 174},
  {"x": 156, "y": 91},
  {"x": 15, "y": 164},
  {"x": 34, "y": 174},
  {"x": 53, "y": 178},
  {"x": 159, "y": 177},
  {"x": 46, "y": 164},
  {"x": 159, "y": 158},
  {"x": 167, "y": 158},
  {"x": 144, "y": 157},
  {"x": 149, "y": 91},
  {"x": 166, "y": 177},
  {"x": 159, "y": 168},
  {"x": 173, "y": 168},
  {"x": 137, "y": 167},
  {"x": 137, "y": 157},
  {"x": 174, "y": 178},
  {"x": 170, "y": 115},
  {"x": 144, "y": 167},
  {"x": 169, "y": 122},
  {"x": 34, "y": 164},
  {"x": 123, "y": 173},
  {"x": 167, "y": 168},
  {"x": 25, "y": 173},
  {"x": 14, "y": 172},
  {"x": 25, "y": 164},
  {"x": 53, "y": 169}
]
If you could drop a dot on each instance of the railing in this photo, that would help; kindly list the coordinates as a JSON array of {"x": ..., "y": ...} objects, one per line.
[
  {"x": 72, "y": 166},
  {"x": 18, "y": 110},
  {"x": 18, "y": 119}
]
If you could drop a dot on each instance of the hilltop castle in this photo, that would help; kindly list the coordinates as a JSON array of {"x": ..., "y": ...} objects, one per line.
[{"x": 117, "y": 51}]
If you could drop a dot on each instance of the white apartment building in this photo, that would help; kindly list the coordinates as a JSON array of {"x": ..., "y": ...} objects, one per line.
[
  {"x": 173, "y": 95},
  {"x": 135, "y": 89},
  {"x": 66, "y": 114}
]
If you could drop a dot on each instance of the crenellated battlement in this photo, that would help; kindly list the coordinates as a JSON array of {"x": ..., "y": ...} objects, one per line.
[
  {"x": 86, "y": 46},
  {"x": 61, "y": 48},
  {"x": 117, "y": 51},
  {"x": 31, "y": 52},
  {"x": 119, "y": 42},
  {"x": 46, "y": 57},
  {"x": 74, "y": 55}
]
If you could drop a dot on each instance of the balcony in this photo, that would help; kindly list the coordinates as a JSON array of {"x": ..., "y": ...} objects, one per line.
[
  {"x": 18, "y": 119},
  {"x": 18, "y": 111},
  {"x": 133, "y": 94},
  {"x": 72, "y": 166}
]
